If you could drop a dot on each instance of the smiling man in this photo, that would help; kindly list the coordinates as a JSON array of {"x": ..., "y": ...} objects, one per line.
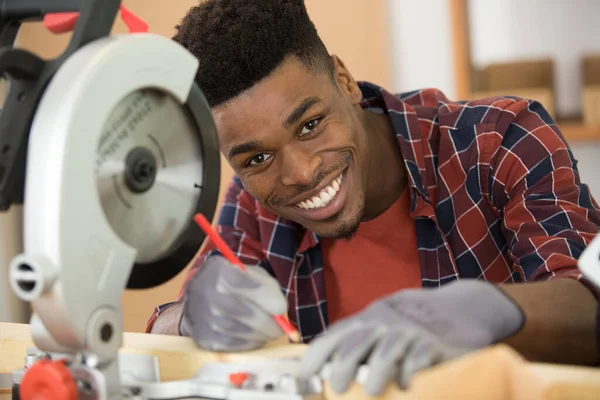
[{"x": 396, "y": 230}]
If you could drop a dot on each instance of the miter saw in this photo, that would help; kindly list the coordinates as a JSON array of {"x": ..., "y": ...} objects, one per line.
[{"x": 111, "y": 149}]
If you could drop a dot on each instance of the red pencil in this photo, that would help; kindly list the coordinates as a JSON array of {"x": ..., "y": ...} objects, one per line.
[{"x": 287, "y": 327}]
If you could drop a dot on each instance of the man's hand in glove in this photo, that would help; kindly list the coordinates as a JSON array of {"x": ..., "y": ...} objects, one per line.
[
  {"x": 226, "y": 309},
  {"x": 411, "y": 330}
]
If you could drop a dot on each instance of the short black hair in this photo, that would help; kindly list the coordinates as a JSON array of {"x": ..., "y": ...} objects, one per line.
[{"x": 240, "y": 42}]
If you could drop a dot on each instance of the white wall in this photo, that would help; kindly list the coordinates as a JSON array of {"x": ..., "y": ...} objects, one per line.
[
  {"x": 521, "y": 29},
  {"x": 421, "y": 46}
]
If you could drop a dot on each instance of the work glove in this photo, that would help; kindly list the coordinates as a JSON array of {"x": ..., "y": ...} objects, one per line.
[
  {"x": 411, "y": 330},
  {"x": 227, "y": 309}
]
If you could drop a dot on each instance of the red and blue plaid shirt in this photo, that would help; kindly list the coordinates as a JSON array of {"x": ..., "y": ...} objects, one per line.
[{"x": 495, "y": 195}]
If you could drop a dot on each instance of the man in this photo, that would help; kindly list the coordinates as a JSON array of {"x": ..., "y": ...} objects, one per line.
[{"x": 403, "y": 230}]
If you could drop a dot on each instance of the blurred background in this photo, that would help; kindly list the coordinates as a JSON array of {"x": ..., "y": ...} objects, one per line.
[{"x": 546, "y": 50}]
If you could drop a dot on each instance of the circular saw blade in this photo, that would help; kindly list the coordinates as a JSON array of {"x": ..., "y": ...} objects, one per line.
[
  {"x": 150, "y": 219},
  {"x": 150, "y": 176}
]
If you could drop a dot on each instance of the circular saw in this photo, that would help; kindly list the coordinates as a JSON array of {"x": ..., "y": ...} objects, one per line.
[
  {"x": 150, "y": 179},
  {"x": 112, "y": 149}
]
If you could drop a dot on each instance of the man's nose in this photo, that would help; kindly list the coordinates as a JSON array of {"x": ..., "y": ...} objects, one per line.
[{"x": 299, "y": 167}]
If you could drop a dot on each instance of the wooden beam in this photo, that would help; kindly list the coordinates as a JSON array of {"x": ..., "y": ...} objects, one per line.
[
  {"x": 575, "y": 132},
  {"x": 461, "y": 47},
  {"x": 178, "y": 357},
  {"x": 495, "y": 373}
]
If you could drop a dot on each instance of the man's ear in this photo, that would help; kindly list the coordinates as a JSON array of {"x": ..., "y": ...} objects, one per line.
[{"x": 345, "y": 81}]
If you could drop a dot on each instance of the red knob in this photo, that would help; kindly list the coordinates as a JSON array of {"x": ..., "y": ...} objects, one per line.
[
  {"x": 61, "y": 22},
  {"x": 65, "y": 21},
  {"x": 238, "y": 378},
  {"x": 48, "y": 380}
]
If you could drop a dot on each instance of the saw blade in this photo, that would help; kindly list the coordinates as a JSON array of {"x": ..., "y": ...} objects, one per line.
[{"x": 149, "y": 172}]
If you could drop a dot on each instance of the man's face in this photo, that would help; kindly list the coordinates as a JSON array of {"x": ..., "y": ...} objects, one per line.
[{"x": 297, "y": 142}]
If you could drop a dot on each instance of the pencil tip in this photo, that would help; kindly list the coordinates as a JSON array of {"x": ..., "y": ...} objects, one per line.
[{"x": 295, "y": 337}]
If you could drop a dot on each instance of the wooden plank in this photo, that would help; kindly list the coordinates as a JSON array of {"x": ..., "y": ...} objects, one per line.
[
  {"x": 179, "y": 357},
  {"x": 590, "y": 105},
  {"x": 577, "y": 132},
  {"x": 495, "y": 373},
  {"x": 510, "y": 76},
  {"x": 590, "y": 69},
  {"x": 461, "y": 47}
]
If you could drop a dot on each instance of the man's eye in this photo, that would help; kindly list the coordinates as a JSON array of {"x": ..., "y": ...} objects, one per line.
[
  {"x": 309, "y": 126},
  {"x": 258, "y": 159}
]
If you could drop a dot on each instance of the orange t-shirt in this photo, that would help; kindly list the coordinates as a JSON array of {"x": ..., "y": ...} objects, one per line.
[{"x": 380, "y": 259}]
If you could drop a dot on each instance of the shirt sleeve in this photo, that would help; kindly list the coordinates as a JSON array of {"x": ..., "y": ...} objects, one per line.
[
  {"x": 550, "y": 216},
  {"x": 238, "y": 226}
]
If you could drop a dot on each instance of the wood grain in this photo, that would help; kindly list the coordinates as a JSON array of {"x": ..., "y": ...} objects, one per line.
[
  {"x": 461, "y": 47},
  {"x": 495, "y": 373}
]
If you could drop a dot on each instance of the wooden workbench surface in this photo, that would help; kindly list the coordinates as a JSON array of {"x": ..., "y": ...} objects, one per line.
[{"x": 496, "y": 373}]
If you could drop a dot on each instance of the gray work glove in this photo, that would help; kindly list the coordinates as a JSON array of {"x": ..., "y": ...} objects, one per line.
[
  {"x": 227, "y": 309},
  {"x": 411, "y": 330}
]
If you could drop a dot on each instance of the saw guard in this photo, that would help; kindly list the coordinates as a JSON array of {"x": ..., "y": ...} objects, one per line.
[{"x": 71, "y": 254}]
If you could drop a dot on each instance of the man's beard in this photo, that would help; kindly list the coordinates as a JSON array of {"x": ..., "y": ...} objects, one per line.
[{"x": 345, "y": 230}]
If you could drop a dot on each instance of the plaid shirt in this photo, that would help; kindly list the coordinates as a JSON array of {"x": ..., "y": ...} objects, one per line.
[{"x": 495, "y": 195}]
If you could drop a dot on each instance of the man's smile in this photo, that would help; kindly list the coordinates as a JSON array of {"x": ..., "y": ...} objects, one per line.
[
  {"x": 324, "y": 201},
  {"x": 324, "y": 196}
]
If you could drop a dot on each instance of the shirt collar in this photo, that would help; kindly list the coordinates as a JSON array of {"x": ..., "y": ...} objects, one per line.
[{"x": 405, "y": 122}]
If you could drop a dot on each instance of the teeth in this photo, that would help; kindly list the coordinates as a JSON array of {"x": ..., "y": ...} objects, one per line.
[
  {"x": 335, "y": 186},
  {"x": 324, "y": 197}
]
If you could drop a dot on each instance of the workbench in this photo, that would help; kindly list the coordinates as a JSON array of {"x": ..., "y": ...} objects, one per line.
[{"x": 494, "y": 373}]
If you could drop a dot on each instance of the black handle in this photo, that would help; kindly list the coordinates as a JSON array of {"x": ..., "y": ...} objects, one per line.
[
  {"x": 19, "y": 10},
  {"x": 95, "y": 17},
  {"x": 29, "y": 75}
]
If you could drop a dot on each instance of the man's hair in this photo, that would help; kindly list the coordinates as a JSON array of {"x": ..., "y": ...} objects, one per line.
[{"x": 240, "y": 42}]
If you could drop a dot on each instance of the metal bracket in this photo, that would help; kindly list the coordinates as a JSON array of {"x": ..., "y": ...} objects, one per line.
[{"x": 264, "y": 380}]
